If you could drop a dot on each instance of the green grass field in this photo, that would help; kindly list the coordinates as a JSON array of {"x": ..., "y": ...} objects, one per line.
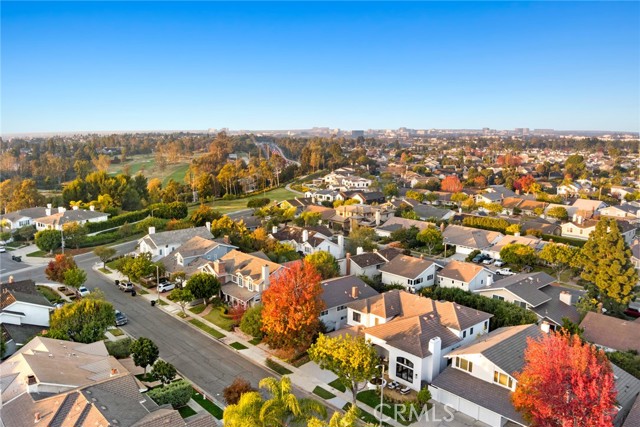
[
  {"x": 208, "y": 329},
  {"x": 227, "y": 206},
  {"x": 147, "y": 165},
  {"x": 220, "y": 320},
  {"x": 325, "y": 394},
  {"x": 238, "y": 346}
]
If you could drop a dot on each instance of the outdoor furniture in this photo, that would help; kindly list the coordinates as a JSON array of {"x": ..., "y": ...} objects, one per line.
[
  {"x": 405, "y": 390},
  {"x": 391, "y": 385}
]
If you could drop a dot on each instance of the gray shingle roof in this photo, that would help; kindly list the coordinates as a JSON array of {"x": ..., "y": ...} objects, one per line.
[
  {"x": 367, "y": 259},
  {"x": 177, "y": 236},
  {"x": 525, "y": 286},
  {"x": 338, "y": 291},
  {"x": 491, "y": 396},
  {"x": 406, "y": 266},
  {"x": 611, "y": 332},
  {"x": 554, "y": 309}
]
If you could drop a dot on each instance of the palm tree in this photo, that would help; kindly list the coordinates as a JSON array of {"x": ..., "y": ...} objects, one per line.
[{"x": 283, "y": 408}]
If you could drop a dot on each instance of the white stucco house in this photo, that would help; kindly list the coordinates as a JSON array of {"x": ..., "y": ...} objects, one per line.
[
  {"x": 413, "y": 333},
  {"x": 194, "y": 253},
  {"x": 411, "y": 272},
  {"x": 337, "y": 293},
  {"x": 464, "y": 275},
  {"x": 163, "y": 243},
  {"x": 468, "y": 239},
  {"x": 56, "y": 219},
  {"x": 309, "y": 240},
  {"x": 369, "y": 263}
]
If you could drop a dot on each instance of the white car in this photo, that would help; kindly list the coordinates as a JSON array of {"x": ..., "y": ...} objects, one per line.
[
  {"x": 488, "y": 261},
  {"x": 505, "y": 272},
  {"x": 164, "y": 287},
  {"x": 499, "y": 263},
  {"x": 3, "y": 249},
  {"x": 83, "y": 291}
]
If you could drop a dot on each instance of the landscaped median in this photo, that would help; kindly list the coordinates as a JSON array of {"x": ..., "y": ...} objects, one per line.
[{"x": 208, "y": 329}]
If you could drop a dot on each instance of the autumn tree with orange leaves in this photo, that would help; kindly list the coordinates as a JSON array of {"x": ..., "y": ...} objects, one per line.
[
  {"x": 451, "y": 184},
  {"x": 291, "y": 308},
  {"x": 565, "y": 382}
]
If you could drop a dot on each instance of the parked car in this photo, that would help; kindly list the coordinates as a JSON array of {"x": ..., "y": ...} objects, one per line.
[
  {"x": 505, "y": 272},
  {"x": 3, "y": 249},
  {"x": 16, "y": 258},
  {"x": 121, "y": 318},
  {"x": 126, "y": 287},
  {"x": 499, "y": 263},
  {"x": 632, "y": 312},
  {"x": 83, "y": 291},
  {"x": 164, "y": 287},
  {"x": 478, "y": 258},
  {"x": 488, "y": 261}
]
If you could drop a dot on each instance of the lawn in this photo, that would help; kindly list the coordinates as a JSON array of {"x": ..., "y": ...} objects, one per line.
[
  {"x": 255, "y": 341},
  {"x": 325, "y": 394},
  {"x": 337, "y": 384},
  {"x": 178, "y": 173},
  {"x": 147, "y": 165},
  {"x": 238, "y": 346},
  {"x": 565, "y": 277},
  {"x": 116, "y": 332},
  {"x": 216, "y": 317},
  {"x": 186, "y": 411},
  {"x": 38, "y": 254},
  {"x": 227, "y": 206},
  {"x": 365, "y": 416},
  {"x": 371, "y": 398},
  {"x": 197, "y": 309},
  {"x": 105, "y": 270},
  {"x": 208, "y": 329},
  {"x": 162, "y": 302},
  {"x": 277, "y": 367},
  {"x": 211, "y": 407},
  {"x": 52, "y": 296}
]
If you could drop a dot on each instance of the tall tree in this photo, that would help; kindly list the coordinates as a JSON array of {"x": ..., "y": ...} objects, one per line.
[
  {"x": 105, "y": 253},
  {"x": 451, "y": 184},
  {"x": 182, "y": 297},
  {"x": 203, "y": 285},
  {"x": 74, "y": 234},
  {"x": 292, "y": 306},
  {"x": 75, "y": 277},
  {"x": 518, "y": 254},
  {"x": 361, "y": 237},
  {"x": 85, "y": 320},
  {"x": 144, "y": 352},
  {"x": 431, "y": 238},
  {"x": 352, "y": 359},
  {"x": 565, "y": 382},
  {"x": 48, "y": 240},
  {"x": 606, "y": 262},
  {"x": 325, "y": 263}
]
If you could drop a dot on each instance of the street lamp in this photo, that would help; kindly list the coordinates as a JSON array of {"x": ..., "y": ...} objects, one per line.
[{"x": 381, "y": 366}]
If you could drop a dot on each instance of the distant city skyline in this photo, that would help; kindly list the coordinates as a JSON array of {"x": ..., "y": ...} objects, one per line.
[{"x": 118, "y": 66}]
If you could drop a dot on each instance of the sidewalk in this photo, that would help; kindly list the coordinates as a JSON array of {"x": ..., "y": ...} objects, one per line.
[{"x": 307, "y": 377}]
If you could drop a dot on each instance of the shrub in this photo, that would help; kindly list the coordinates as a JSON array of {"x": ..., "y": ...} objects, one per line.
[
  {"x": 258, "y": 203},
  {"x": 176, "y": 394},
  {"x": 484, "y": 223},
  {"x": 173, "y": 210},
  {"x": 424, "y": 396},
  {"x": 163, "y": 371},
  {"x": 567, "y": 240},
  {"x": 119, "y": 349},
  {"x": 251, "y": 322},
  {"x": 533, "y": 232},
  {"x": 234, "y": 391},
  {"x": 117, "y": 221}
]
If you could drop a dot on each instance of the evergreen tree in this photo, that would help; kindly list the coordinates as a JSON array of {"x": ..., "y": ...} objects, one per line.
[{"x": 606, "y": 262}]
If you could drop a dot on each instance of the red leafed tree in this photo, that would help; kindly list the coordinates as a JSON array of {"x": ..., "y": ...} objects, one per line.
[
  {"x": 55, "y": 269},
  {"x": 565, "y": 382},
  {"x": 292, "y": 306},
  {"x": 451, "y": 184},
  {"x": 509, "y": 160},
  {"x": 524, "y": 183}
]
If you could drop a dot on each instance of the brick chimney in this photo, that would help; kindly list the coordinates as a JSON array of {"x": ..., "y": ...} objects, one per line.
[
  {"x": 218, "y": 267},
  {"x": 114, "y": 372},
  {"x": 355, "y": 292},
  {"x": 226, "y": 239}
]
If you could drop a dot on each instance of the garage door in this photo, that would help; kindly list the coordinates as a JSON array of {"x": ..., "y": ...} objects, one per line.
[
  {"x": 489, "y": 417},
  {"x": 447, "y": 398},
  {"x": 469, "y": 408}
]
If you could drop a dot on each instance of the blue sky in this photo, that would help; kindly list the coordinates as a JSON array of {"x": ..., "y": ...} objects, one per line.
[{"x": 164, "y": 65}]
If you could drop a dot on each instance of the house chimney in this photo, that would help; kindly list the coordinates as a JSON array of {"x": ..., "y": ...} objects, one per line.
[
  {"x": 47, "y": 211},
  {"x": 226, "y": 239},
  {"x": 114, "y": 372},
  {"x": 348, "y": 265},
  {"x": 355, "y": 292},
  {"x": 517, "y": 234},
  {"x": 435, "y": 348},
  {"x": 152, "y": 230},
  {"x": 305, "y": 235},
  {"x": 566, "y": 297},
  {"x": 341, "y": 241},
  {"x": 76, "y": 207},
  {"x": 575, "y": 217},
  {"x": 274, "y": 229},
  {"x": 265, "y": 276},
  {"x": 545, "y": 327},
  {"x": 218, "y": 267},
  {"x": 61, "y": 209},
  {"x": 208, "y": 225},
  {"x": 580, "y": 219},
  {"x": 359, "y": 250},
  {"x": 442, "y": 227},
  {"x": 92, "y": 208},
  {"x": 49, "y": 206},
  {"x": 377, "y": 214},
  {"x": 36, "y": 417}
]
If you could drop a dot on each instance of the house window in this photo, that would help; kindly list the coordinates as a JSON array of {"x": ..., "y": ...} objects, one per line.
[
  {"x": 430, "y": 277},
  {"x": 502, "y": 379},
  {"x": 464, "y": 364},
  {"x": 342, "y": 307},
  {"x": 521, "y": 304},
  {"x": 471, "y": 331},
  {"x": 486, "y": 325},
  {"x": 234, "y": 279},
  {"x": 324, "y": 313},
  {"x": 250, "y": 285},
  {"x": 356, "y": 317},
  {"x": 464, "y": 334},
  {"x": 498, "y": 297},
  {"x": 404, "y": 369},
  {"x": 240, "y": 281}
]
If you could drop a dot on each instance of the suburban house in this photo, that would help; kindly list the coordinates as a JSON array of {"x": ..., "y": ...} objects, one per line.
[
  {"x": 336, "y": 294},
  {"x": 369, "y": 197},
  {"x": 625, "y": 211},
  {"x": 542, "y": 225},
  {"x": 464, "y": 275},
  {"x": 586, "y": 206},
  {"x": 494, "y": 194},
  {"x": 63, "y": 383},
  {"x": 427, "y": 212},
  {"x": 481, "y": 378},
  {"x": 308, "y": 240},
  {"x": 369, "y": 263},
  {"x": 411, "y": 272},
  {"x": 194, "y": 253},
  {"x": 538, "y": 293},
  {"x": 299, "y": 204},
  {"x": 573, "y": 189},
  {"x": 55, "y": 220},
  {"x": 581, "y": 229},
  {"x": 468, "y": 239},
  {"x": 165, "y": 242},
  {"x": 325, "y": 213},
  {"x": 320, "y": 196},
  {"x": 413, "y": 333},
  {"x": 399, "y": 223},
  {"x": 22, "y": 218},
  {"x": 621, "y": 192},
  {"x": 365, "y": 215},
  {"x": 24, "y": 313},
  {"x": 611, "y": 333},
  {"x": 534, "y": 243},
  {"x": 635, "y": 252},
  {"x": 345, "y": 179},
  {"x": 243, "y": 277}
]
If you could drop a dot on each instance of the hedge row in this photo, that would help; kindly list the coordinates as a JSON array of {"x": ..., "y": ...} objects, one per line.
[
  {"x": 504, "y": 313},
  {"x": 485, "y": 223},
  {"x": 117, "y": 221},
  {"x": 566, "y": 240},
  {"x": 173, "y": 210},
  {"x": 177, "y": 394}
]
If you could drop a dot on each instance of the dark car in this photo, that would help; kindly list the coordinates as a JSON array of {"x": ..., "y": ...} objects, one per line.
[
  {"x": 16, "y": 258},
  {"x": 121, "y": 318},
  {"x": 479, "y": 258},
  {"x": 632, "y": 312}
]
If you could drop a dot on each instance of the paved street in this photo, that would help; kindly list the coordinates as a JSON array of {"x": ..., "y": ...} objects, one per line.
[{"x": 209, "y": 364}]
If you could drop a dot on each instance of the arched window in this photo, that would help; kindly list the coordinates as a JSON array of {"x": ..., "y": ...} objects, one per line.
[{"x": 404, "y": 369}]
